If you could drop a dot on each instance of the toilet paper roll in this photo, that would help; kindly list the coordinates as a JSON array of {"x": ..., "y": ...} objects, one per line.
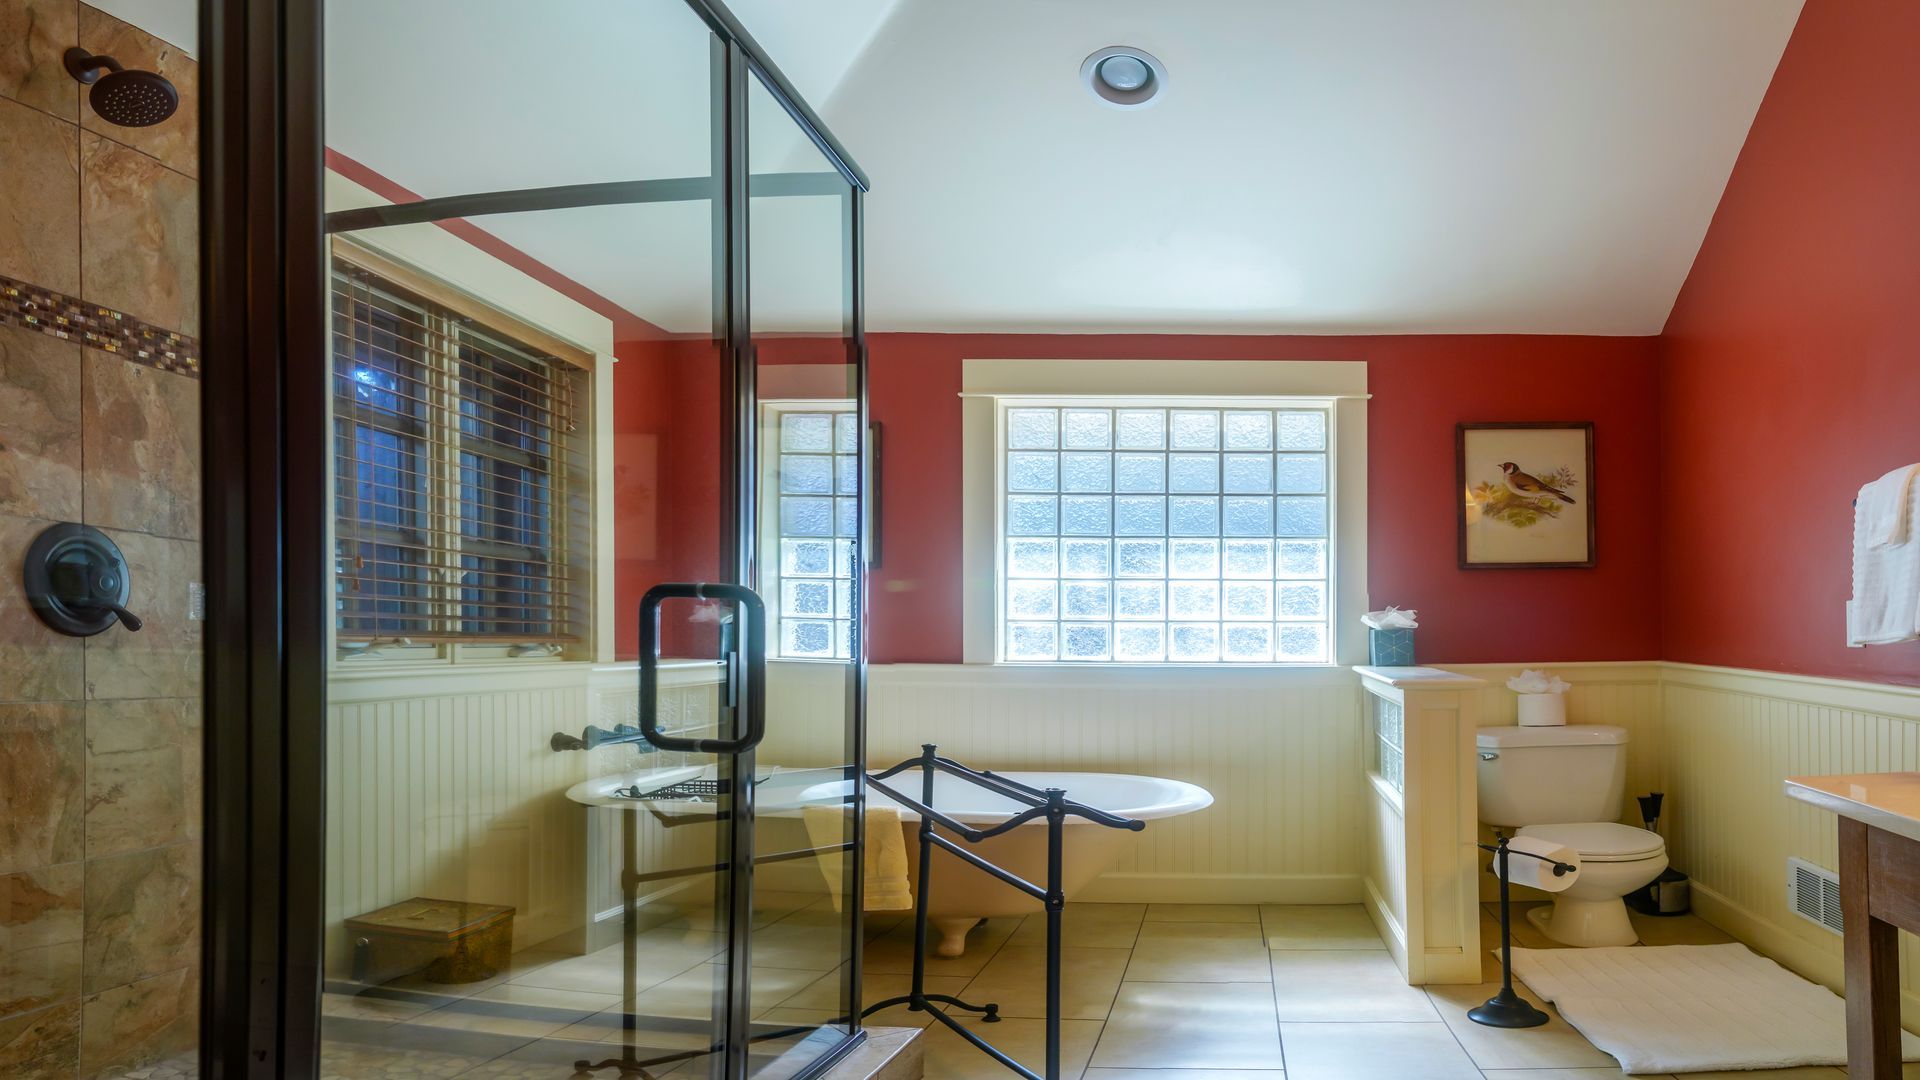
[
  {"x": 1538, "y": 873},
  {"x": 1543, "y": 710}
]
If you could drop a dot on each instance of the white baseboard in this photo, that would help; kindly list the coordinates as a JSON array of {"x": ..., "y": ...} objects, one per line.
[
  {"x": 1122, "y": 888},
  {"x": 1791, "y": 952}
]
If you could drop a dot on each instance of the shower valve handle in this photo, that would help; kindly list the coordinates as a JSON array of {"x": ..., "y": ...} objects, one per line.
[{"x": 127, "y": 618}]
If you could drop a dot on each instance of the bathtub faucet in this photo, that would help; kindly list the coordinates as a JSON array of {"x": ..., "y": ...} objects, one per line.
[{"x": 592, "y": 737}]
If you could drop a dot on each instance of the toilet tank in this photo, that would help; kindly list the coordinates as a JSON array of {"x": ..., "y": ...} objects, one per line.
[{"x": 1551, "y": 775}]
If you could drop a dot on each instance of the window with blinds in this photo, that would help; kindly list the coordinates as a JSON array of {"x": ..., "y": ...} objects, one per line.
[{"x": 461, "y": 493}]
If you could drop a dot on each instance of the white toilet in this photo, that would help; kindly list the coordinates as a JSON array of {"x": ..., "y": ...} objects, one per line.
[{"x": 1564, "y": 785}]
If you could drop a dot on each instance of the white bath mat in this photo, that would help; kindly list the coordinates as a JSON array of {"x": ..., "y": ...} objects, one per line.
[{"x": 1689, "y": 1008}]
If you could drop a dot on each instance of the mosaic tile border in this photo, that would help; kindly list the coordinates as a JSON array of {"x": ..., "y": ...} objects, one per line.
[{"x": 58, "y": 315}]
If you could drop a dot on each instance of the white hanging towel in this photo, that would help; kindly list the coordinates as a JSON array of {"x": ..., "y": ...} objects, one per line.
[{"x": 1886, "y": 561}]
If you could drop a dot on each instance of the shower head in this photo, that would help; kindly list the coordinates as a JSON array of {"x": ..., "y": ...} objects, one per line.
[{"x": 126, "y": 98}]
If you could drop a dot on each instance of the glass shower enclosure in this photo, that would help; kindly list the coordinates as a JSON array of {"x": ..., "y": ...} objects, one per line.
[{"x": 597, "y": 450}]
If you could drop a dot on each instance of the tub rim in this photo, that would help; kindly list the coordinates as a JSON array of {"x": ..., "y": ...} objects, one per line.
[{"x": 1186, "y": 798}]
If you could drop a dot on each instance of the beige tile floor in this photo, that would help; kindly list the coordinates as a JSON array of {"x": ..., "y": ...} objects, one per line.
[
  {"x": 1238, "y": 992},
  {"x": 1154, "y": 992}
]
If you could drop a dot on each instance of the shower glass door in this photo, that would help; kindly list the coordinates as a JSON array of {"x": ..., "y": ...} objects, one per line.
[
  {"x": 598, "y": 451},
  {"x": 808, "y": 564}
]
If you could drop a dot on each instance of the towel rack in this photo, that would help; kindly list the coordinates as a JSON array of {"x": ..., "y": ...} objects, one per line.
[{"x": 1049, "y": 803}]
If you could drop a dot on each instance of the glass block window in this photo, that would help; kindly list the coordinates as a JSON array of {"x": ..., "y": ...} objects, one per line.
[
  {"x": 1389, "y": 730},
  {"x": 1178, "y": 534},
  {"x": 818, "y": 483}
]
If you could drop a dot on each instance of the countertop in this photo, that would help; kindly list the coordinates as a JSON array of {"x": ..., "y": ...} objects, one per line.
[
  {"x": 1419, "y": 678},
  {"x": 1889, "y": 801}
]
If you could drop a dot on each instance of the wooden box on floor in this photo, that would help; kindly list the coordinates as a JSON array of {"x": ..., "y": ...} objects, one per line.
[{"x": 447, "y": 941}]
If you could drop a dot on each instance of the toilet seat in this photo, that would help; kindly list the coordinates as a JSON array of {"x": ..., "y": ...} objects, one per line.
[{"x": 1601, "y": 841}]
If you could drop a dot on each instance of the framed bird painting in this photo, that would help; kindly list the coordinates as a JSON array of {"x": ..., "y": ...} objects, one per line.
[{"x": 1528, "y": 495}]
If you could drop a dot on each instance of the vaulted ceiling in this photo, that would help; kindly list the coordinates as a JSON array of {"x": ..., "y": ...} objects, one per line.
[{"x": 1314, "y": 166}]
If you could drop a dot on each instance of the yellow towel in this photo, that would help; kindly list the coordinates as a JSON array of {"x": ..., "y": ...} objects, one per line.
[
  {"x": 886, "y": 879},
  {"x": 886, "y": 885}
]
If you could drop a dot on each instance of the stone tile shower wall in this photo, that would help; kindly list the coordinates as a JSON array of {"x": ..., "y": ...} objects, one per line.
[{"x": 99, "y": 423}]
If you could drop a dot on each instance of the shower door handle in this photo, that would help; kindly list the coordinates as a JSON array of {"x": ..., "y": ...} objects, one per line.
[{"x": 746, "y": 688}]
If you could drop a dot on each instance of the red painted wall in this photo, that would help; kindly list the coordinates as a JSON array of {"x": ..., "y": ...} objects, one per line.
[
  {"x": 1422, "y": 386},
  {"x": 1791, "y": 372},
  {"x": 666, "y": 468},
  {"x": 666, "y": 473}
]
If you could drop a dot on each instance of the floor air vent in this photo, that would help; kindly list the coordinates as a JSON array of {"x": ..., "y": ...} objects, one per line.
[{"x": 1813, "y": 892}]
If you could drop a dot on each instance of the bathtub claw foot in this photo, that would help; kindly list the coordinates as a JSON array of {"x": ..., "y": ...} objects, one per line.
[{"x": 953, "y": 935}]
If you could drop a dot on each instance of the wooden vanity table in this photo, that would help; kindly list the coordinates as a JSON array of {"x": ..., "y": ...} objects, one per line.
[{"x": 1879, "y": 894}]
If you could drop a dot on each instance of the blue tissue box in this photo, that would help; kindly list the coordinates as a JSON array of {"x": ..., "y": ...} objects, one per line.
[{"x": 1390, "y": 648}]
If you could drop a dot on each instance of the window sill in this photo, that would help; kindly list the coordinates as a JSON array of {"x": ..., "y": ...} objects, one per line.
[
  {"x": 1304, "y": 676},
  {"x": 377, "y": 667},
  {"x": 1164, "y": 665},
  {"x": 1387, "y": 793}
]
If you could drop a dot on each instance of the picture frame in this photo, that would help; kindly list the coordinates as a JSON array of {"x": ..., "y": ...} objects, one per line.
[{"x": 1526, "y": 493}]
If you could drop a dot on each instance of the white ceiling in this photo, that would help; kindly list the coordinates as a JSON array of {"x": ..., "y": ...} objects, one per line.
[
  {"x": 1316, "y": 166},
  {"x": 176, "y": 22},
  {"x": 448, "y": 97}
]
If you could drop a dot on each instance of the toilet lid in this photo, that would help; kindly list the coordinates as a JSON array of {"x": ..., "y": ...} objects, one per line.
[{"x": 1600, "y": 841}]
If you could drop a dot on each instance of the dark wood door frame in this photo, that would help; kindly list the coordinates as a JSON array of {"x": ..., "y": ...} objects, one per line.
[{"x": 262, "y": 438}]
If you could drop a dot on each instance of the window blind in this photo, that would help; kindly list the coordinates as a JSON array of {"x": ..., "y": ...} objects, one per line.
[{"x": 460, "y": 493}]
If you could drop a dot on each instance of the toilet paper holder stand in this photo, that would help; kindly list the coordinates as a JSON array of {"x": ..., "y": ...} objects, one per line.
[{"x": 1507, "y": 1009}]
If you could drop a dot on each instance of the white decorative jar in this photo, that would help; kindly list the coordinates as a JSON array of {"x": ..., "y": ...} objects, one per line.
[{"x": 1543, "y": 710}]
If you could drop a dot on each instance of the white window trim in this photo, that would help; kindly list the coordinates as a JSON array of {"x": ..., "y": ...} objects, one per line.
[{"x": 984, "y": 383}]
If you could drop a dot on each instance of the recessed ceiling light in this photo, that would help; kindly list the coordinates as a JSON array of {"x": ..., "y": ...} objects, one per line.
[{"x": 1124, "y": 77}]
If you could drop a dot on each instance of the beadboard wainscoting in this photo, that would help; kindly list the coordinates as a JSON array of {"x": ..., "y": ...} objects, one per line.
[
  {"x": 1384, "y": 886},
  {"x": 1731, "y": 738},
  {"x": 442, "y": 783},
  {"x": 1622, "y": 694},
  {"x": 1279, "y": 750}
]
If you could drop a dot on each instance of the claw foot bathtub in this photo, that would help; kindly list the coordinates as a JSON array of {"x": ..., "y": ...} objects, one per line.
[{"x": 963, "y": 895}]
